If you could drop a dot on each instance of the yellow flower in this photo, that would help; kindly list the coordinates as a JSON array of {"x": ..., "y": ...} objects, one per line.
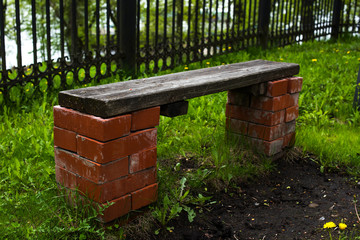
[
  {"x": 314, "y": 60},
  {"x": 329, "y": 225},
  {"x": 229, "y": 47},
  {"x": 281, "y": 59},
  {"x": 186, "y": 68},
  {"x": 358, "y": 59},
  {"x": 337, "y": 50},
  {"x": 342, "y": 226},
  {"x": 207, "y": 63},
  {"x": 224, "y": 49},
  {"x": 348, "y": 52}
]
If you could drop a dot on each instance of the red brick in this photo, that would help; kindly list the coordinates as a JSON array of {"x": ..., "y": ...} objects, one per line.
[
  {"x": 144, "y": 196},
  {"x": 291, "y": 113},
  {"x": 98, "y": 173},
  {"x": 141, "y": 179},
  {"x": 289, "y": 140},
  {"x": 91, "y": 126},
  {"x": 253, "y": 115},
  {"x": 290, "y": 127},
  {"x": 116, "y": 188},
  {"x": 294, "y": 99},
  {"x": 119, "y": 207},
  {"x": 237, "y": 126},
  {"x": 238, "y": 97},
  {"x": 109, "y": 151},
  {"x": 102, "y": 192},
  {"x": 271, "y": 103},
  {"x": 65, "y": 118},
  {"x": 269, "y": 148},
  {"x": 295, "y": 84},
  {"x": 146, "y": 118},
  {"x": 65, "y": 139},
  {"x": 265, "y": 132},
  {"x": 142, "y": 160},
  {"x": 65, "y": 178},
  {"x": 277, "y": 88}
]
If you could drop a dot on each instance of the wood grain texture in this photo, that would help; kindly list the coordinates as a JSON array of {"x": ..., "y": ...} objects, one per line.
[{"x": 124, "y": 97}]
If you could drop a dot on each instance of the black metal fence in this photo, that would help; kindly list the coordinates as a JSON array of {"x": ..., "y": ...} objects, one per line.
[{"x": 56, "y": 44}]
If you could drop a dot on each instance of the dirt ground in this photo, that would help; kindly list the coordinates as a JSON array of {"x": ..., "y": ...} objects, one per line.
[{"x": 293, "y": 202}]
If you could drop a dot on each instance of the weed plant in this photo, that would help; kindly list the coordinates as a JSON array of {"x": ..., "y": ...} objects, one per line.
[{"x": 194, "y": 160}]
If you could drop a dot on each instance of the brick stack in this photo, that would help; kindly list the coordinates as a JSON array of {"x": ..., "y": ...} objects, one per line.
[
  {"x": 265, "y": 114},
  {"x": 108, "y": 160}
]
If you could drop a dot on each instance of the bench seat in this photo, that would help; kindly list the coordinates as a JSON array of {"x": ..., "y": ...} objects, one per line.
[{"x": 123, "y": 97}]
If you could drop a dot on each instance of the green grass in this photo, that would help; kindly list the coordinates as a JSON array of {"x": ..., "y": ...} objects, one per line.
[{"x": 192, "y": 153}]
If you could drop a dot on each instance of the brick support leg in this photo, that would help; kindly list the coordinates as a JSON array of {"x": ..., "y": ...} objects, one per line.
[
  {"x": 265, "y": 114},
  {"x": 108, "y": 160}
]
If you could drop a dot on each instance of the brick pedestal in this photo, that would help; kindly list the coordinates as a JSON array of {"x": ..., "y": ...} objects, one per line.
[
  {"x": 265, "y": 114},
  {"x": 108, "y": 160}
]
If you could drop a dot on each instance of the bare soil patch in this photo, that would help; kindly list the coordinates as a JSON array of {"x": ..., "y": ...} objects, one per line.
[{"x": 292, "y": 202}]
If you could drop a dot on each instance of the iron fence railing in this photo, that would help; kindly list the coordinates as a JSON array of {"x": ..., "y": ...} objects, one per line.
[{"x": 56, "y": 44}]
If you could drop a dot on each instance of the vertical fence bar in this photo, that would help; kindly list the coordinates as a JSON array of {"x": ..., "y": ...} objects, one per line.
[
  {"x": 156, "y": 44},
  {"x": 188, "y": 44},
  {"x": 137, "y": 33},
  {"x": 238, "y": 36},
  {"x": 244, "y": 26},
  {"x": 97, "y": 15},
  {"x": 227, "y": 41},
  {"x": 264, "y": 20},
  {"x": 62, "y": 45},
  {"x": 216, "y": 26},
  {"x": 354, "y": 17},
  {"x": 196, "y": 37},
  {"x": 128, "y": 34},
  {"x": 203, "y": 31},
  {"x": 165, "y": 30},
  {"x": 147, "y": 37},
  {"x": 18, "y": 37},
  {"x": 34, "y": 40},
  {"x": 287, "y": 24},
  {"x": 73, "y": 31},
  {"x": 254, "y": 32},
  {"x": 336, "y": 19},
  {"x": 172, "y": 54},
  {"x": 2, "y": 47},
  {"x": 249, "y": 25},
  {"x": 108, "y": 11},
  {"x": 281, "y": 24},
  {"x": 48, "y": 35},
  {"x": 222, "y": 26},
  {"x": 86, "y": 25}
]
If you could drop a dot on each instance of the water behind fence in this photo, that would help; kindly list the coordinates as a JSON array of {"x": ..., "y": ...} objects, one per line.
[{"x": 59, "y": 44}]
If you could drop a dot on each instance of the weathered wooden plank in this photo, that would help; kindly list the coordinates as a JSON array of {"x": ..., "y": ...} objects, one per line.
[{"x": 123, "y": 97}]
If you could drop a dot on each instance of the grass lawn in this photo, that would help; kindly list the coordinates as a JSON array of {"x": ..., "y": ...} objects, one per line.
[{"x": 30, "y": 204}]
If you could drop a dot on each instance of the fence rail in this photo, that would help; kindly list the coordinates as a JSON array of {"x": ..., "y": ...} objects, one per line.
[{"x": 74, "y": 42}]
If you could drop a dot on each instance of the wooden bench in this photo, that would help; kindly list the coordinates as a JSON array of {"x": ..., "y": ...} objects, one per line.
[{"x": 105, "y": 136}]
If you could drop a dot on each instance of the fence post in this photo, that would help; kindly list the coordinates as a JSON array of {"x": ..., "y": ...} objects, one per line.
[
  {"x": 356, "y": 96},
  {"x": 336, "y": 19},
  {"x": 128, "y": 34},
  {"x": 264, "y": 20}
]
